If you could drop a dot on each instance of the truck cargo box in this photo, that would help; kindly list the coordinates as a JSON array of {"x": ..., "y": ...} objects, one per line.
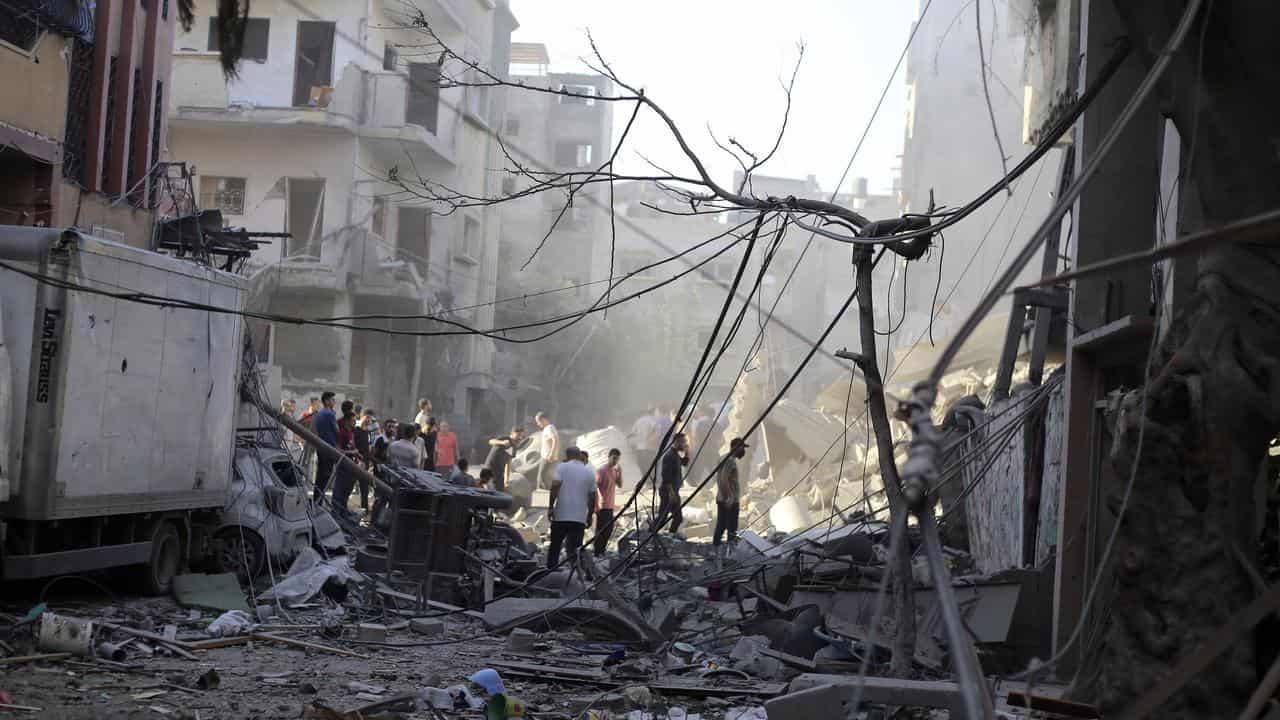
[{"x": 116, "y": 406}]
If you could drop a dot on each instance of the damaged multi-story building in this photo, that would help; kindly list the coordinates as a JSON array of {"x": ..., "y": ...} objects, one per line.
[
  {"x": 333, "y": 128},
  {"x": 83, "y": 88}
]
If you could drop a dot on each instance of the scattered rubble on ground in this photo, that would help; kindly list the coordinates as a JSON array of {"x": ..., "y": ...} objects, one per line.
[{"x": 439, "y": 585}]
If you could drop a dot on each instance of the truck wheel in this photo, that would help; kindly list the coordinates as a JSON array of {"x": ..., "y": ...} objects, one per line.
[
  {"x": 239, "y": 550},
  {"x": 166, "y": 560}
]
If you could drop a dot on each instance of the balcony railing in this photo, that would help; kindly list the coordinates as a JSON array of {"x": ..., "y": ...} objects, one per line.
[{"x": 376, "y": 104}]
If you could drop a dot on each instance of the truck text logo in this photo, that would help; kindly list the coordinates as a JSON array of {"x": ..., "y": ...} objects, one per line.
[{"x": 48, "y": 353}]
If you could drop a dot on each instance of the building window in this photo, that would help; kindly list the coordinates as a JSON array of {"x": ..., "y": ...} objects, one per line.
[
  {"x": 78, "y": 95},
  {"x": 135, "y": 179},
  {"x": 469, "y": 248},
  {"x": 157, "y": 118},
  {"x": 508, "y": 186},
  {"x": 574, "y": 154},
  {"x": 255, "y": 38},
  {"x": 313, "y": 62},
  {"x": 413, "y": 236},
  {"x": 108, "y": 135},
  {"x": 512, "y": 126},
  {"x": 423, "y": 107},
  {"x": 378, "y": 219},
  {"x": 390, "y": 56},
  {"x": 304, "y": 216},
  {"x": 19, "y": 27},
  {"x": 578, "y": 95},
  {"x": 223, "y": 193}
]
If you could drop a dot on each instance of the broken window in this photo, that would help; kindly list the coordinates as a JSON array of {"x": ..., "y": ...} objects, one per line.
[
  {"x": 469, "y": 247},
  {"x": 512, "y": 126},
  {"x": 19, "y": 27},
  {"x": 508, "y": 186},
  {"x": 576, "y": 93},
  {"x": 390, "y": 56},
  {"x": 256, "y": 32},
  {"x": 574, "y": 154},
  {"x": 423, "y": 106},
  {"x": 313, "y": 62},
  {"x": 223, "y": 193},
  {"x": 378, "y": 218},
  {"x": 413, "y": 236},
  {"x": 304, "y": 216}
]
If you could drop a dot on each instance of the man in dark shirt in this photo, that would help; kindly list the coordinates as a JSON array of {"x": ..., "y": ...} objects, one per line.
[
  {"x": 326, "y": 427},
  {"x": 500, "y": 454},
  {"x": 670, "y": 474}
]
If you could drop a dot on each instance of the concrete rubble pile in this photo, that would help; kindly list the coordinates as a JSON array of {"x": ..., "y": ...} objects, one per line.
[{"x": 664, "y": 627}]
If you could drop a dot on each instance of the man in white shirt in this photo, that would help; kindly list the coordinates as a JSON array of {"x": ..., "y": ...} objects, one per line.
[
  {"x": 404, "y": 452},
  {"x": 549, "y": 446},
  {"x": 424, "y": 412},
  {"x": 573, "y": 504}
]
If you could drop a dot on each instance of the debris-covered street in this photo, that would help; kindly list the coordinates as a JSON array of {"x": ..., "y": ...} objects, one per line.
[{"x": 581, "y": 360}]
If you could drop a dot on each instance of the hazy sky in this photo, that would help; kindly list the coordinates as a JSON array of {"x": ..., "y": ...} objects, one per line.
[{"x": 720, "y": 62}]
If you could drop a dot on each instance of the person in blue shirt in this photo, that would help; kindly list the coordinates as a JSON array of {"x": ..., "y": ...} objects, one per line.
[{"x": 326, "y": 427}]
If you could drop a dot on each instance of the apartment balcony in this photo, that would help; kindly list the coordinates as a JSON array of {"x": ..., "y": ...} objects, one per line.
[
  {"x": 376, "y": 105},
  {"x": 394, "y": 112},
  {"x": 379, "y": 271}
]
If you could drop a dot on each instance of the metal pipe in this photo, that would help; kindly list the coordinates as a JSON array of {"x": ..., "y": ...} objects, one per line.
[
  {"x": 323, "y": 448},
  {"x": 973, "y": 688}
]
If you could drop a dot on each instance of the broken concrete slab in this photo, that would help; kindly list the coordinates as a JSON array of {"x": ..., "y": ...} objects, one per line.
[
  {"x": 521, "y": 640},
  {"x": 823, "y": 697},
  {"x": 509, "y": 610},
  {"x": 211, "y": 592},
  {"x": 371, "y": 632},
  {"x": 427, "y": 626}
]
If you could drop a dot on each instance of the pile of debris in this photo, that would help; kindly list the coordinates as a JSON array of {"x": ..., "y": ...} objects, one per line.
[{"x": 440, "y": 588}]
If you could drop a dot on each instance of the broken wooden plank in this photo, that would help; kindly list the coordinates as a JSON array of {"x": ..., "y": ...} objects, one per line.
[
  {"x": 552, "y": 673},
  {"x": 809, "y": 698},
  {"x": 510, "y": 610},
  {"x": 1057, "y": 706},
  {"x": 178, "y": 647},
  {"x": 33, "y": 658},
  {"x": 215, "y": 643},
  {"x": 797, "y": 662},
  {"x": 307, "y": 645}
]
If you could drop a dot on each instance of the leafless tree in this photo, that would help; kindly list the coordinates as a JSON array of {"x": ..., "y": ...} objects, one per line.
[{"x": 697, "y": 192}]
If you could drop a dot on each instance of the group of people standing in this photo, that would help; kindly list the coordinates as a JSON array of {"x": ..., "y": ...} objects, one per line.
[
  {"x": 580, "y": 494},
  {"x": 424, "y": 444}
]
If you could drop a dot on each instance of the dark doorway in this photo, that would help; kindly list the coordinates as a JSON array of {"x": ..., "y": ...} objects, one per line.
[
  {"x": 413, "y": 237},
  {"x": 313, "y": 62},
  {"x": 304, "y": 217},
  {"x": 423, "y": 106}
]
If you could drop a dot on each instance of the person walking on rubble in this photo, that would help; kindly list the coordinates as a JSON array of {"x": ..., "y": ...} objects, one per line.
[
  {"x": 728, "y": 495},
  {"x": 326, "y": 427},
  {"x": 573, "y": 503},
  {"x": 549, "y": 445},
  {"x": 608, "y": 480},
  {"x": 671, "y": 477},
  {"x": 644, "y": 439},
  {"x": 501, "y": 451},
  {"x": 446, "y": 449}
]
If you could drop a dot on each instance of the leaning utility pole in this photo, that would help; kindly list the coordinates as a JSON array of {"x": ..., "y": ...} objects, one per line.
[{"x": 904, "y": 642}]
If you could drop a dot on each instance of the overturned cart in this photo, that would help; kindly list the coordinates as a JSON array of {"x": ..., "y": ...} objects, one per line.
[{"x": 444, "y": 539}]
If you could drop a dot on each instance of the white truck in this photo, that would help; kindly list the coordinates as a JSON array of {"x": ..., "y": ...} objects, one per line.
[{"x": 117, "y": 419}]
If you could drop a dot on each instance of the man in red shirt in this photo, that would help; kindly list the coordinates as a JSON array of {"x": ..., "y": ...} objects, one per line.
[
  {"x": 608, "y": 480},
  {"x": 446, "y": 449}
]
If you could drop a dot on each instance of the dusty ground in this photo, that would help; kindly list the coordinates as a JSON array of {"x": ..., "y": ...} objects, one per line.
[{"x": 263, "y": 680}]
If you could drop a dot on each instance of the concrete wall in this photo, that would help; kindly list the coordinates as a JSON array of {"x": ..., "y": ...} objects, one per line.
[
  {"x": 33, "y": 96},
  {"x": 950, "y": 149},
  {"x": 254, "y": 154}
]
